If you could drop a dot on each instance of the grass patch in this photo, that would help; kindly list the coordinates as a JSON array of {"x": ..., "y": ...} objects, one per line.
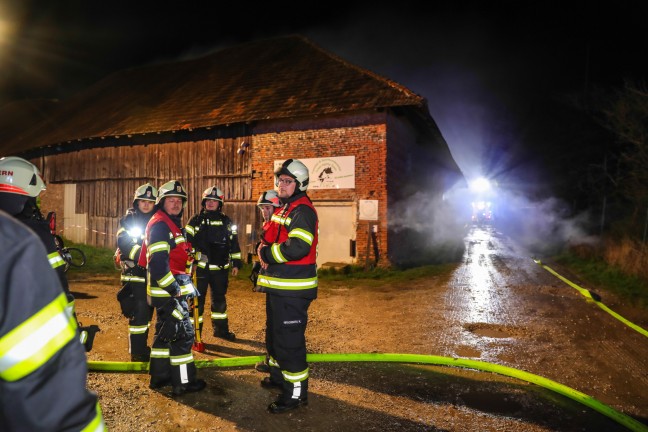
[
  {"x": 598, "y": 272},
  {"x": 98, "y": 260},
  {"x": 355, "y": 275}
]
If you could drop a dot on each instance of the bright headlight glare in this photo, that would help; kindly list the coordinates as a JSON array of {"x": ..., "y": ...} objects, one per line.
[{"x": 135, "y": 232}]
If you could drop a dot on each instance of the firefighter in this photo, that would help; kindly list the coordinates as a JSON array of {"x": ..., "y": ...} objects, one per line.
[
  {"x": 42, "y": 382},
  {"x": 20, "y": 187},
  {"x": 132, "y": 296},
  {"x": 215, "y": 239},
  {"x": 267, "y": 203},
  {"x": 289, "y": 277},
  {"x": 167, "y": 256}
]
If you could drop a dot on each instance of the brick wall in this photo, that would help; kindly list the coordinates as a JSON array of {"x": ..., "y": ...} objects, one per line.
[{"x": 361, "y": 136}]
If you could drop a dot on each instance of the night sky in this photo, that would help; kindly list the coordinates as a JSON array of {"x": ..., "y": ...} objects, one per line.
[{"x": 495, "y": 77}]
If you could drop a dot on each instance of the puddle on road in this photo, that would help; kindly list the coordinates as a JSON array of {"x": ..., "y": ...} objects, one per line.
[
  {"x": 468, "y": 352},
  {"x": 488, "y": 330},
  {"x": 490, "y": 402}
]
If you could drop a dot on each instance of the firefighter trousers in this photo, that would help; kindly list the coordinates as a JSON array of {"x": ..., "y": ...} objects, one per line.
[
  {"x": 138, "y": 324},
  {"x": 172, "y": 359},
  {"x": 217, "y": 282},
  {"x": 286, "y": 322}
]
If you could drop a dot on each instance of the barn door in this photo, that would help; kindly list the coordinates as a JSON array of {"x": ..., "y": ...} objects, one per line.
[{"x": 337, "y": 227}]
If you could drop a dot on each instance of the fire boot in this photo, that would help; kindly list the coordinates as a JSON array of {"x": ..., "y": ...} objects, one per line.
[
  {"x": 87, "y": 336},
  {"x": 282, "y": 405},
  {"x": 221, "y": 330},
  {"x": 191, "y": 387}
]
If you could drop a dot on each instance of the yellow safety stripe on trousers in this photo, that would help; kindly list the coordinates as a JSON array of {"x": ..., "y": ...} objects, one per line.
[
  {"x": 160, "y": 352},
  {"x": 83, "y": 337},
  {"x": 138, "y": 329},
  {"x": 281, "y": 220},
  {"x": 133, "y": 251},
  {"x": 235, "y": 255},
  {"x": 200, "y": 320},
  {"x": 55, "y": 259},
  {"x": 181, "y": 359},
  {"x": 30, "y": 345},
  {"x": 276, "y": 253},
  {"x": 272, "y": 362},
  {"x": 294, "y": 377},
  {"x": 302, "y": 234},
  {"x": 203, "y": 266},
  {"x": 126, "y": 278},
  {"x": 218, "y": 316},
  {"x": 287, "y": 284}
]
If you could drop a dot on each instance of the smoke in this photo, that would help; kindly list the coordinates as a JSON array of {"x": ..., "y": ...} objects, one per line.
[
  {"x": 431, "y": 229},
  {"x": 545, "y": 226}
]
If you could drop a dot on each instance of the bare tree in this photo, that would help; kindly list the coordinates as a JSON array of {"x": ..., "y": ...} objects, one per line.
[{"x": 627, "y": 117}]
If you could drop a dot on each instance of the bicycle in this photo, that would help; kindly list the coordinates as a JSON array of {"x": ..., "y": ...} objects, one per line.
[{"x": 73, "y": 257}]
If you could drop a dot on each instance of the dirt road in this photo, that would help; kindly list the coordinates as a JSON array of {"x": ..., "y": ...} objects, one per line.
[{"x": 497, "y": 306}]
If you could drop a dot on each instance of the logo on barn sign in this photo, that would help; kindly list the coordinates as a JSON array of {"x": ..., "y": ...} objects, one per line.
[{"x": 329, "y": 173}]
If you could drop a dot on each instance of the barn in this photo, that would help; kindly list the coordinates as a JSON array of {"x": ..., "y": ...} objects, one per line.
[{"x": 227, "y": 119}]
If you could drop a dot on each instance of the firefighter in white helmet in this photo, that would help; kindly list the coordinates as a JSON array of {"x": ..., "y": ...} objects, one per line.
[
  {"x": 215, "y": 237},
  {"x": 43, "y": 370},
  {"x": 20, "y": 187},
  {"x": 167, "y": 256},
  {"x": 289, "y": 277},
  {"x": 267, "y": 203},
  {"x": 132, "y": 295}
]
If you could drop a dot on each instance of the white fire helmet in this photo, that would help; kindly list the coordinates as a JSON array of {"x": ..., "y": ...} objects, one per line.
[
  {"x": 21, "y": 177},
  {"x": 146, "y": 192},
  {"x": 213, "y": 193},
  {"x": 269, "y": 197},
  {"x": 295, "y": 169},
  {"x": 172, "y": 188}
]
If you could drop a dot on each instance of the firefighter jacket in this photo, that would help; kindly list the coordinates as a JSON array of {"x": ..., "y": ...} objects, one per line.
[
  {"x": 166, "y": 253},
  {"x": 291, "y": 255},
  {"x": 130, "y": 236},
  {"x": 34, "y": 375},
  {"x": 212, "y": 233},
  {"x": 33, "y": 218}
]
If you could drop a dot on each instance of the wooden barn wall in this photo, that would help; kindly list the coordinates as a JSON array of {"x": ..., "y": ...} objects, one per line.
[{"x": 106, "y": 179}]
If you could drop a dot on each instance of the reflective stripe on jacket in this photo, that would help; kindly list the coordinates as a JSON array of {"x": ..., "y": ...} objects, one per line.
[{"x": 292, "y": 236}]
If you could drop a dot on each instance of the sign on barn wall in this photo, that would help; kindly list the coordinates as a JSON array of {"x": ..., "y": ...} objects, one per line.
[{"x": 328, "y": 173}]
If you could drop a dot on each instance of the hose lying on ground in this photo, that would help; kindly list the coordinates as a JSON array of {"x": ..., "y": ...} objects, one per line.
[
  {"x": 627, "y": 421},
  {"x": 592, "y": 296}
]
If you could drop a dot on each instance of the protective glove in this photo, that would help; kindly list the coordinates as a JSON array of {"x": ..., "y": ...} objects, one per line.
[
  {"x": 254, "y": 275},
  {"x": 168, "y": 330},
  {"x": 126, "y": 300},
  {"x": 203, "y": 258},
  {"x": 185, "y": 330},
  {"x": 171, "y": 310}
]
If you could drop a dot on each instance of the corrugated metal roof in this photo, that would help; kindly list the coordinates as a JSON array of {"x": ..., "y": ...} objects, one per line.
[{"x": 279, "y": 78}]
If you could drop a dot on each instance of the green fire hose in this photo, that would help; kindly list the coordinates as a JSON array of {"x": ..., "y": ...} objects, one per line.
[{"x": 627, "y": 421}]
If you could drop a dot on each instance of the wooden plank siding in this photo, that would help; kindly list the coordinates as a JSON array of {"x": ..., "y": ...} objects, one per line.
[{"x": 107, "y": 177}]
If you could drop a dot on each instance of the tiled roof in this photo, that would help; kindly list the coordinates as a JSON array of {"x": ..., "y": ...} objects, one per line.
[{"x": 280, "y": 78}]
